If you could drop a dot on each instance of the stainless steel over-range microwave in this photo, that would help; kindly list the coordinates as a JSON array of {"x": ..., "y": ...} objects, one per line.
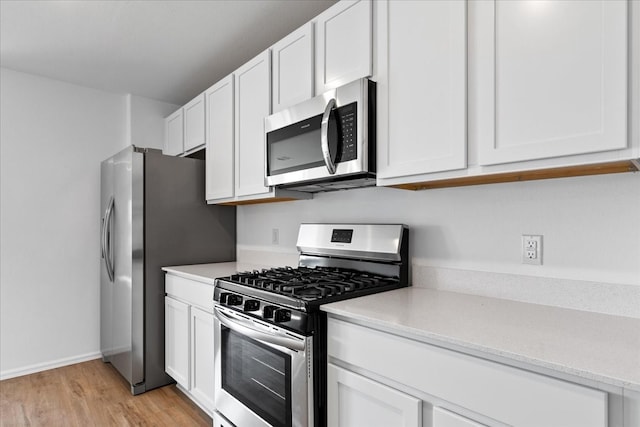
[{"x": 324, "y": 143}]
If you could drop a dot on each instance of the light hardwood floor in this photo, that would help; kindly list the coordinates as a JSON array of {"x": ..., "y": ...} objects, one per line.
[{"x": 92, "y": 394}]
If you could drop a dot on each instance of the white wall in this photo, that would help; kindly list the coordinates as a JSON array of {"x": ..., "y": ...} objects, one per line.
[
  {"x": 591, "y": 225},
  {"x": 146, "y": 121},
  {"x": 53, "y": 137}
]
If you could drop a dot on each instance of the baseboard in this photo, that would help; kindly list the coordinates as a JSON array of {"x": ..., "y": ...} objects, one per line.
[{"x": 39, "y": 367}]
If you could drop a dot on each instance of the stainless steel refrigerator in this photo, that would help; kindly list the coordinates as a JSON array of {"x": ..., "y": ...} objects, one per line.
[{"x": 154, "y": 214}]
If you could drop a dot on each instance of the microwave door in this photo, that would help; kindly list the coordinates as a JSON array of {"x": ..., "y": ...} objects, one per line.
[{"x": 305, "y": 150}]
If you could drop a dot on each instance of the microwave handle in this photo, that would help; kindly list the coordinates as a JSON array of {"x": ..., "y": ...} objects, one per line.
[{"x": 324, "y": 139}]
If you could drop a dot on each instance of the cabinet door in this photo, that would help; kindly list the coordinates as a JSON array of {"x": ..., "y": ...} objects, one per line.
[
  {"x": 444, "y": 418},
  {"x": 422, "y": 90},
  {"x": 344, "y": 44},
  {"x": 252, "y": 105},
  {"x": 202, "y": 375},
  {"x": 293, "y": 68},
  {"x": 551, "y": 78},
  {"x": 194, "y": 127},
  {"x": 219, "y": 158},
  {"x": 173, "y": 142},
  {"x": 356, "y": 401},
  {"x": 176, "y": 347}
]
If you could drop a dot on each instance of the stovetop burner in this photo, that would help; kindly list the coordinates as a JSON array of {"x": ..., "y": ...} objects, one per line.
[{"x": 310, "y": 284}]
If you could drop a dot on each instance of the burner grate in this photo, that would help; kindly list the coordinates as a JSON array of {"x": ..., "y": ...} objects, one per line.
[{"x": 311, "y": 284}]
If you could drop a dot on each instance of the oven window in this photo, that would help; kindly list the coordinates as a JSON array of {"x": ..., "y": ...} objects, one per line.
[{"x": 258, "y": 376}]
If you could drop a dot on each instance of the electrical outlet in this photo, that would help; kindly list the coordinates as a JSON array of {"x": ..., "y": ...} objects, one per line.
[
  {"x": 275, "y": 236},
  {"x": 532, "y": 249}
]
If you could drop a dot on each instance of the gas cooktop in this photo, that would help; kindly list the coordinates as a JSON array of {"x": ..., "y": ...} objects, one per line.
[
  {"x": 312, "y": 284},
  {"x": 337, "y": 262}
]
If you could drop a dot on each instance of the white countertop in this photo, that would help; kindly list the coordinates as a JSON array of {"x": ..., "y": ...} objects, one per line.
[
  {"x": 207, "y": 273},
  {"x": 592, "y": 346}
]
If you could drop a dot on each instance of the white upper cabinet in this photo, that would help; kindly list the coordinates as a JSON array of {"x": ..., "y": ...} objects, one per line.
[
  {"x": 185, "y": 129},
  {"x": 421, "y": 54},
  {"x": 343, "y": 44},
  {"x": 194, "y": 127},
  {"x": 551, "y": 78},
  {"x": 252, "y": 105},
  {"x": 293, "y": 68},
  {"x": 236, "y": 108},
  {"x": 174, "y": 134},
  {"x": 219, "y": 154}
]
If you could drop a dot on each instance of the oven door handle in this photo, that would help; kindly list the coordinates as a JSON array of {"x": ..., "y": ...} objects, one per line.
[{"x": 244, "y": 327}]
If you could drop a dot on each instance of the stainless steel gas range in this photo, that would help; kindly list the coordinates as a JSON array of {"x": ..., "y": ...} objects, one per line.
[{"x": 270, "y": 335}]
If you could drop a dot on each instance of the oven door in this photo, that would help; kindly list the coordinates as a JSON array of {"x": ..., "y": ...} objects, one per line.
[{"x": 263, "y": 374}]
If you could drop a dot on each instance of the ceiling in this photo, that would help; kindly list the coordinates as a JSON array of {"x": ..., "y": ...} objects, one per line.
[{"x": 165, "y": 50}]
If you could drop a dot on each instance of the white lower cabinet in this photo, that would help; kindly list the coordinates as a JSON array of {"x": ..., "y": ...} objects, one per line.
[
  {"x": 444, "y": 418},
  {"x": 356, "y": 401},
  {"x": 377, "y": 378},
  {"x": 176, "y": 329},
  {"x": 189, "y": 338},
  {"x": 202, "y": 365}
]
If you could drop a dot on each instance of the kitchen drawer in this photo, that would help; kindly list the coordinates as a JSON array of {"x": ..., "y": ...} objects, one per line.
[
  {"x": 510, "y": 395},
  {"x": 192, "y": 292}
]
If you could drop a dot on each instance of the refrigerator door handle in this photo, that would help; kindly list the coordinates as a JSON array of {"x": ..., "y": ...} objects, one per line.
[
  {"x": 102, "y": 237},
  {"x": 103, "y": 225},
  {"x": 107, "y": 251}
]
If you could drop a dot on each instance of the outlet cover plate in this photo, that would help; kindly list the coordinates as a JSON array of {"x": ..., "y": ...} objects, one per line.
[{"x": 532, "y": 249}]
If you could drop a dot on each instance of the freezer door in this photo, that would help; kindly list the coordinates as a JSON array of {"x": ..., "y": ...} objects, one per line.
[{"x": 122, "y": 308}]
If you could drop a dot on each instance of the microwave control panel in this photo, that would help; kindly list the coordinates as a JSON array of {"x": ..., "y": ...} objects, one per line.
[{"x": 347, "y": 123}]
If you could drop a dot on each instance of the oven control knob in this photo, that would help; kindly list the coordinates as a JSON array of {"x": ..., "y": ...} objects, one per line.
[
  {"x": 233, "y": 299},
  {"x": 268, "y": 310},
  {"x": 251, "y": 305},
  {"x": 223, "y": 297},
  {"x": 282, "y": 315}
]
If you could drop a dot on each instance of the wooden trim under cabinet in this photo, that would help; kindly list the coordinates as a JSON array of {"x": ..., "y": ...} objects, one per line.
[
  {"x": 560, "y": 172},
  {"x": 253, "y": 202}
]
